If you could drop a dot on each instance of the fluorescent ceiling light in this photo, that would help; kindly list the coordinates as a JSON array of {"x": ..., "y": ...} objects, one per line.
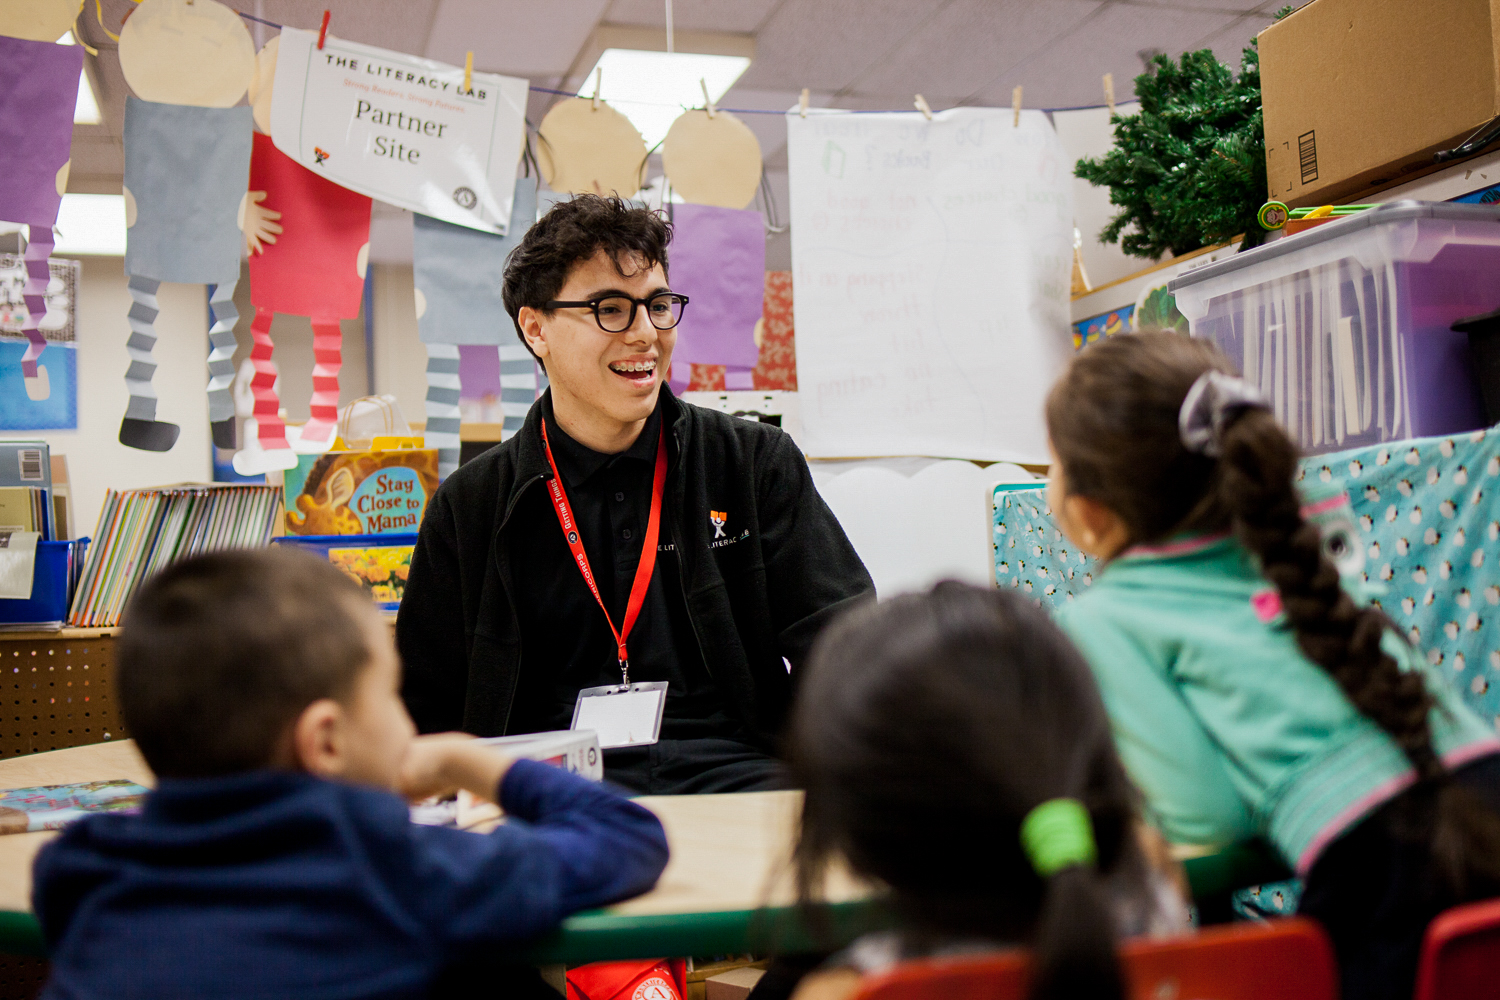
[
  {"x": 653, "y": 88},
  {"x": 91, "y": 224},
  {"x": 86, "y": 111}
]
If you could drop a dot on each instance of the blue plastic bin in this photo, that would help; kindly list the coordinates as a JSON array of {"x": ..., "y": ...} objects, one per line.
[{"x": 51, "y": 587}]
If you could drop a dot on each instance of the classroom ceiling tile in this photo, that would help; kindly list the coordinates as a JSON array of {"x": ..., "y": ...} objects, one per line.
[
  {"x": 1230, "y": 42},
  {"x": 826, "y": 44},
  {"x": 1068, "y": 72},
  {"x": 693, "y": 15},
  {"x": 962, "y": 46},
  {"x": 401, "y": 25},
  {"x": 517, "y": 37}
]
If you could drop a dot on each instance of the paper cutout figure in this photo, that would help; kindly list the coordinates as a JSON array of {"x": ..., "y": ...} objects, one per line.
[
  {"x": 590, "y": 149},
  {"x": 712, "y": 161},
  {"x": 38, "y": 20},
  {"x": 186, "y": 152},
  {"x": 262, "y": 85},
  {"x": 458, "y": 273},
  {"x": 184, "y": 179},
  {"x": 194, "y": 52},
  {"x": 38, "y": 89},
  {"x": 310, "y": 264},
  {"x": 719, "y": 263}
]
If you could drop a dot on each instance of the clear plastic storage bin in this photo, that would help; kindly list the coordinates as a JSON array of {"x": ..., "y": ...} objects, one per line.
[{"x": 1346, "y": 327}]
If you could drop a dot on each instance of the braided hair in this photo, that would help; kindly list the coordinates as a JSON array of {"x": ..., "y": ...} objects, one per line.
[{"x": 1113, "y": 421}]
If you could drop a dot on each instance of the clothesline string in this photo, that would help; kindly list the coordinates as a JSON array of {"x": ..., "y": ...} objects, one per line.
[{"x": 737, "y": 111}]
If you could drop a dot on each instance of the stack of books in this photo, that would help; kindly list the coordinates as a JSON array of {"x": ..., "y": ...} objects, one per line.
[
  {"x": 23, "y": 508},
  {"x": 25, "y": 488},
  {"x": 142, "y": 531}
]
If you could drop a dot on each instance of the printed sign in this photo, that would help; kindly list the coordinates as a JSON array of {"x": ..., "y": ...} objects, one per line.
[
  {"x": 390, "y": 500},
  {"x": 401, "y": 129}
]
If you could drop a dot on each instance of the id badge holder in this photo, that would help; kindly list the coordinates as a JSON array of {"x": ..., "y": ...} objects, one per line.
[{"x": 623, "y": 715}]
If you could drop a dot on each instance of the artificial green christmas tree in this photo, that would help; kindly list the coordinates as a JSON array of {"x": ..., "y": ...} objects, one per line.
[{"x": 1189, "y": 169}]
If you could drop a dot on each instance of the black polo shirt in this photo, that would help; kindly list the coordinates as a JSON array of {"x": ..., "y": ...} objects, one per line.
[{"x": 565, "y": 640}]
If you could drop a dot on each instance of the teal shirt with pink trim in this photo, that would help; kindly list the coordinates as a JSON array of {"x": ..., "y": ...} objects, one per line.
[{"x": 1227, "y": 728}]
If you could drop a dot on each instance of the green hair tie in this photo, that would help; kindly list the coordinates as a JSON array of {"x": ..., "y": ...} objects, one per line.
[{"x": 1056, "y": 834}]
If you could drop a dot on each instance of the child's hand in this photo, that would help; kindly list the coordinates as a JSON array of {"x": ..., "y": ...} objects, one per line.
[{"x": 442, "y": 763}]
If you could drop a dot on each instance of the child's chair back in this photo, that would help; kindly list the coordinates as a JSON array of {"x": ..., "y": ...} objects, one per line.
[
  {"x": 1281, "y": 960},
  {"x": 1460, "y": 953}
]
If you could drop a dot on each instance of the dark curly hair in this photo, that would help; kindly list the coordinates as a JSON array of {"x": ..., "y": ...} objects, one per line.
[
  {"x": 574, "y": 231},
  {"x": 1112, "y": 418}
]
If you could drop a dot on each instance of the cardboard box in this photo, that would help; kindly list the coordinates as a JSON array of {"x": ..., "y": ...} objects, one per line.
[
  {"x": 1359, "y": 94},
  {"x": 735, "y": 984}
]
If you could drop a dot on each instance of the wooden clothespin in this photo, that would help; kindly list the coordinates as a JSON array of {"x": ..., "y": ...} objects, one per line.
[
  {"x": 598, "y": 82},
  {"x": 921, "y": 105},
  {"x": 1015, "y": 103},
  {"x": 802, "y": 103},
  {"x": 323, "y": 31},
  {"x": 1109, "y": 91},
  {"x": 469, "y": 72},
  {"x": 708, "y": 104}
]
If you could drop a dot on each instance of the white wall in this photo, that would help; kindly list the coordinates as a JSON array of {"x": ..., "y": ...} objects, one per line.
[
  {"x": 1087, "y": 132},
  {"x": 400, "y": 356},
  {"x": 96, "y": 459}
]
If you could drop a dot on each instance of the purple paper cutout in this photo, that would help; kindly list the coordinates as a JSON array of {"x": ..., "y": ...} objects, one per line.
[
  {"x": 718, "y": 260},
  {"x": 38, "y": 276},
  {"x": 38, "y": 91},
  {"x": 478, "y": 371}
]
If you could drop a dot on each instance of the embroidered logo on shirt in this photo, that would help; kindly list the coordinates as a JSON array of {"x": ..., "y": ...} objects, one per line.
[{"x": 718, "y": 518}]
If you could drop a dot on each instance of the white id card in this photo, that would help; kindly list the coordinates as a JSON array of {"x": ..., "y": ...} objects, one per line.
[{"x": 622, "y": 715}]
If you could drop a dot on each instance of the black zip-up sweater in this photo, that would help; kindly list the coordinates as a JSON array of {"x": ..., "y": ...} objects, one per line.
[{"x": 751, "y": 603}]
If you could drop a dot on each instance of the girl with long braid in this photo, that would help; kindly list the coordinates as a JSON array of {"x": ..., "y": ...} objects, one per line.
[{"x": 1251, "y": 694}]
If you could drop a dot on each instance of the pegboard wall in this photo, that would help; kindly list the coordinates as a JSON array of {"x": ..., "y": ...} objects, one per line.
[{"x": 56, "y": 692}]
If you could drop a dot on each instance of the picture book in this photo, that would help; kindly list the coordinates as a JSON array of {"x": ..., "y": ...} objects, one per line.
[
  {"x": 360, "y": 492},
  {"x": 379, "y": 569},
  {"x": 51, "y": 807}
]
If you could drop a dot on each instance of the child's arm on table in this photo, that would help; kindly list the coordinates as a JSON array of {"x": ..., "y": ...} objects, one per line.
[{"x": 570, "y": 844}]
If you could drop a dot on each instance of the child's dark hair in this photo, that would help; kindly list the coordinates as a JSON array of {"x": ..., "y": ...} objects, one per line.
[
  {"x": 1113, "y": 422},
  {"x": 926, "y": 728},
  {"x": 573, "y": 231},
  {"x": 218, "y": 655}
]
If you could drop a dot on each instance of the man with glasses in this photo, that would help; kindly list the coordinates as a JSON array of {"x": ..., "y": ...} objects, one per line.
[{"x": 627, "y": 562}]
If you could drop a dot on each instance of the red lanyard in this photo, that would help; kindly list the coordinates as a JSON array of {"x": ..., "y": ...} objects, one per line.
[{"x": 648, "y": 547}]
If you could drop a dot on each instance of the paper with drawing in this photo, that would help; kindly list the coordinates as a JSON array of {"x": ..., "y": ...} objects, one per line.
[{"x": 932, "y": 271}]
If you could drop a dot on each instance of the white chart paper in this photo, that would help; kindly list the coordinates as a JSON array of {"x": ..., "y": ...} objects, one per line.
[
  {"x": 399, "y": 128},
  {"x": 931, "y": 265}
]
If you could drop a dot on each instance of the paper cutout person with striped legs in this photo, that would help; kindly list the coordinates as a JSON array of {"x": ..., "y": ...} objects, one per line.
[
  {"x": 718, "y": 245},
  {"x": 309, "y": 240},
  {"x": 187, "y": 154},
  {"x": 38, "y": 89},
  {"x": 458, "y": 274}
]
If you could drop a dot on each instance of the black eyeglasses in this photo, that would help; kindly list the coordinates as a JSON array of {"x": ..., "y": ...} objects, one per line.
[{"x": 616, "y": 313}]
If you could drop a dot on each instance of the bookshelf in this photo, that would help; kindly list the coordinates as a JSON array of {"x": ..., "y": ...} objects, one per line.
[{"x": 57, "y": 690}]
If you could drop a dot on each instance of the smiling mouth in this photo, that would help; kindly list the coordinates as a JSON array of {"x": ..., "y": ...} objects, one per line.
[{"x": 638, "y": 372}]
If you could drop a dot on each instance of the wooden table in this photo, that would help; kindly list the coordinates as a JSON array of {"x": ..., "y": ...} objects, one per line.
[{"x": 726, "y": 890}]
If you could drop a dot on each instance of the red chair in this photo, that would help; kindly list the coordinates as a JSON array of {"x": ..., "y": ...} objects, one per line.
[
  {"x": 1461, "y": 953},
  {"x": 1282, "y": 960}
]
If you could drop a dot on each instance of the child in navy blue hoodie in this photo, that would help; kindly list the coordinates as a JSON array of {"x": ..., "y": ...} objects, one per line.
[{"x": 274, "y": 860}]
